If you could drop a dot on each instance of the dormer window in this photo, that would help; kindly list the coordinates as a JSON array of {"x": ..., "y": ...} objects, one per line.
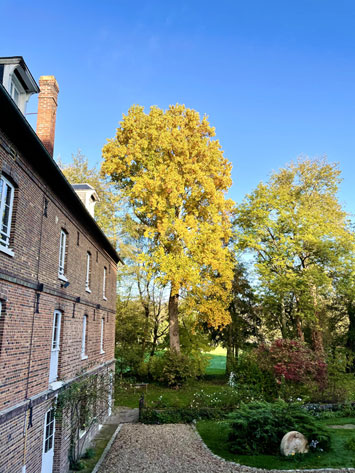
[
  {"x": 17, "y": 80},
  {"x": 15, "y": 90}
]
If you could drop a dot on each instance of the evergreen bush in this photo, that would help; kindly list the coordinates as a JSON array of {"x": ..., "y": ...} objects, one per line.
[{"x": 259, "y": 427}]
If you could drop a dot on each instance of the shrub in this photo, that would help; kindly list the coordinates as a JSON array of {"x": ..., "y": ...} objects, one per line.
[
  {"x": 183, "y": 415},
  {"x": 259, "y": 427},
  {"x": 340, "y": 385},
  {"x": 251, "y": 382},
  {"x": 293, "y": 364},
  {"x": 174, "y": 369}
]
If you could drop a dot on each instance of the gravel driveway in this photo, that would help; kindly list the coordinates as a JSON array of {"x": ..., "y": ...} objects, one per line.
[{"x": 170, "y": 448}]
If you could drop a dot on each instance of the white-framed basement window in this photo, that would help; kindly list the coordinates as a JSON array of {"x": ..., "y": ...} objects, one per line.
[
  {"x": 88, "y": 272},
  {"x": 7, "y": 192},
  {"x": 84, "y": 338},
  {"x": 62, "y": 255},
  {"x": 102, "y": 336},
  {"x": 104, "y": 284}
]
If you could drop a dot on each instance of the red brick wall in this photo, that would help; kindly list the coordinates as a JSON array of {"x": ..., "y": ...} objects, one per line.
[
  {"x": 12, "y": 445},
  {"x": 47, "y": 110},
  {"x": 25, "y": 332}
]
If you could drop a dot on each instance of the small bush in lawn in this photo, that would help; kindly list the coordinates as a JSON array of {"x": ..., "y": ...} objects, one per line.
[
  {"x": 259, "y": 427},
  {"x": 90, "y": 453},
  {"x": 174, "y": 369}
]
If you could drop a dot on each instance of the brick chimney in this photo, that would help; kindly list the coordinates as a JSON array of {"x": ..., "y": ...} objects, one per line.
[{"x": 47, "y": 110}]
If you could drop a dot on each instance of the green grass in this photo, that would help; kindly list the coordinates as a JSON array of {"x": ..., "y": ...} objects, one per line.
[
  {"x": 99, "y": 445},
  {"x": 215, "y": 435},
  {"x": 217, "y": 363}
]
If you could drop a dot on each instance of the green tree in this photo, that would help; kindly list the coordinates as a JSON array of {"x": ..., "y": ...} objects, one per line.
[
  {"x": 244, "y": 327},
  {"x": 109, "y": 205},
  {"x": 300, "y": 237},
  {"x": 174, "y": 177}
]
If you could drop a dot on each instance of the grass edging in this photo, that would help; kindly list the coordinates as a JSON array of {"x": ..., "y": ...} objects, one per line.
[
  {"x": 107, "y": 449},
  {"x": 263, "y": 470}
]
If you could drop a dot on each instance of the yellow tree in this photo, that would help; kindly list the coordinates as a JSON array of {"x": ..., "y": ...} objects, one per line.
[{"x": 174, "y": 177}]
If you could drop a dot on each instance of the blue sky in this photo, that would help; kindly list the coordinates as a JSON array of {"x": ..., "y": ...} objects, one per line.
[{"x": 276, "y": 77}]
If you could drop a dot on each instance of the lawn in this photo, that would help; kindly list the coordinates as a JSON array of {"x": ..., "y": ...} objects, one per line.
[
  {"x": 215, "y": 435},
  {"x": 213, "y": 382},
  {"x": 127, "y": 395},
  {"x": 217, "y": 363}
]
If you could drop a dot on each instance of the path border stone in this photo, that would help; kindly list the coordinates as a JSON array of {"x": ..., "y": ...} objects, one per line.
[{"x": 107, "y": 449}]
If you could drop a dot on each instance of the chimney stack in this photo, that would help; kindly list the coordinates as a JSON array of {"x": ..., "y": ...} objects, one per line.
[{"x": 47, "y": 110}]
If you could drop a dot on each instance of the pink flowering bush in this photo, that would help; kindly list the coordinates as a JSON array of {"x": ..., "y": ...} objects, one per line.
[{"x": 293, "y": 363}]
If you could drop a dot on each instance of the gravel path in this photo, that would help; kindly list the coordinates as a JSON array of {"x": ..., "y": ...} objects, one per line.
[{"x": 170, "y": 448}]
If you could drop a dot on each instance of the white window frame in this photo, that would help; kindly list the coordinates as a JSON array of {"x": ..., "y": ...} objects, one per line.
[
  {"x": 62, "y": 255},
  {"x": 49, "y": 430},
  {"x": 84, "y": 337},
  {"x": 5, "y": 235},
  {"x": 104, "y": 284},
  {"x": 88, "y": 268},
  {"x": 15, "y": 87},
  {"x": 102, "y": 336}
]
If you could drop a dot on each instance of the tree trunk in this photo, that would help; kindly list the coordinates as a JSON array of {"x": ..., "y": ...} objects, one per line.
[
  {"x": 299, "y": 330},
  {"x": 283, "y": 320},
  {"x": 146, "y": 329},
  {"x": 316, "y": 332},
  {"x": 317, "y": 340},
  {"x": 350, "y": 342},
  {"x": 155, "y": 340},
  {"x": 173, "y": 308},
  {"x": 230, "y": 361}
]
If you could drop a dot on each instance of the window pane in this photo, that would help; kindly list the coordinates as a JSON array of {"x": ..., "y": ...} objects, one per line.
[{"x": 6, "y": 202}]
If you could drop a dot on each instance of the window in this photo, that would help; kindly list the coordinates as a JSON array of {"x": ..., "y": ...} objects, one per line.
[
  {"x": 104, "y": 284},
  {"x": 88, "y": 272},
  {"x": 102, "y": 335},
  {"x": 84, "y": 339},
  {"x": 6, "y": 207},
  {"x": 49, "y": 430},
  {"x": 15, "y": 90},
  {"x": 45, "y": 208},
  {"x": 62, "y": 255}
]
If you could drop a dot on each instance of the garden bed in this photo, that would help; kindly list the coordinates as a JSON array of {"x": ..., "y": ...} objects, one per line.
[{"x": 215, "y": 436}]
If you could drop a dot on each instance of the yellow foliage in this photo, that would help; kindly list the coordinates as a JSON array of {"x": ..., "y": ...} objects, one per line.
[{"x": 174, "y": 176}]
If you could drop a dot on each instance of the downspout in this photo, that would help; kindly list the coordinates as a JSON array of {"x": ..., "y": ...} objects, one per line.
[{"x": 35, "y": 311}]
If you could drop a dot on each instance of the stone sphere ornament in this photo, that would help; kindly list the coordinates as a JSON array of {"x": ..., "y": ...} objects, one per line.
[{"x": 293, "y": 442}]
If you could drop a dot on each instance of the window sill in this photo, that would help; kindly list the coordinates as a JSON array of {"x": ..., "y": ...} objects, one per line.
[
  {"x": 87, "y": 289},
  {"x": 6, "y": 250},
  {"x": 84, "y": 357},
  {"x": 62, "y": 278},
  {"x": 55, "y": 385}
]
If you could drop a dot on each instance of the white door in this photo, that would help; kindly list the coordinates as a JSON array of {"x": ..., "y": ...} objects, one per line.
[
  {"x": 48, "y": 442},
  {"x": 53, "y": 368}
]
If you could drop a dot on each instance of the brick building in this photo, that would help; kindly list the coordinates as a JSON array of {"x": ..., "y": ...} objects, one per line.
[{"x": 57, "y": 281}]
